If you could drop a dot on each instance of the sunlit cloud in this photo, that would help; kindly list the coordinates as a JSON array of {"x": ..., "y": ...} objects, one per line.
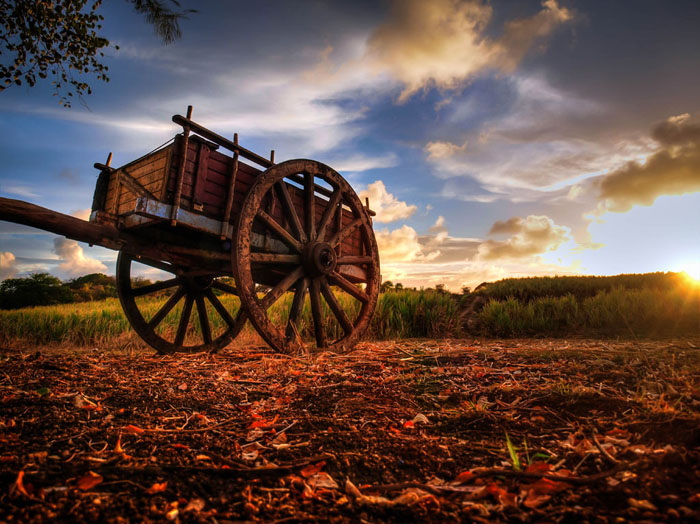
[
  {"x": 442, "y": 43},
  {"x": 83, "y": 214},
  {"x": 530, "y": 236},
  {"x": 548, "y": 140},
  {"x": 73, "y": 260},
  {"x": 386, "y": 205},
  {"x": 8, "y": 265},
  {"x": 674, "y": 169}
]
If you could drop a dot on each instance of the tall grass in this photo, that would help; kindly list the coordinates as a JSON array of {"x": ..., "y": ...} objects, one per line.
[
  {"x": 625, "y": 312},
  {"x": 526, "y": 289},
  {"x": 399, "y": 314}
]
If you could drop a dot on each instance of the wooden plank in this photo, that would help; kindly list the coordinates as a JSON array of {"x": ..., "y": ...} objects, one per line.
[{"x": 200, "y": 180}]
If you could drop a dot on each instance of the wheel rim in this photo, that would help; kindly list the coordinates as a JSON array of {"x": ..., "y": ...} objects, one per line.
[
  {"x": 184, "y": 313},
  {"x": 306, "y": 254}
]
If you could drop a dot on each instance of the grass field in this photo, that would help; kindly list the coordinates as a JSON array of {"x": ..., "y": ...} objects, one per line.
[
  {"x": 652, "y": 305},
  {"x": 402, "y": 314}
]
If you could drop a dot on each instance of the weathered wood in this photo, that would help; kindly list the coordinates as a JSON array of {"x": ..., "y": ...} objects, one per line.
[
  {"x": 231, "y": 192},
  {"x": 181, "y": 173},
  {"x": 200, "y": 181}
]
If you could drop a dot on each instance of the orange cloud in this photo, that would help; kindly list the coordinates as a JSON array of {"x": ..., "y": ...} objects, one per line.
[
  {"x": 674, "y": 169},
  {"x": 443, "y": 42},
  {"x": 531, "y": 236},
  {"x": 8, "y": 265}
]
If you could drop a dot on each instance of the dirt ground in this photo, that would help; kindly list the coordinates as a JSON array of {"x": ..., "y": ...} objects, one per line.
[{"x": 410, "y": 431}]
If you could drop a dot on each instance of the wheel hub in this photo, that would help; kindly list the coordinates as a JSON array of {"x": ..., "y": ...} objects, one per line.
[
  {"x": 319, "y": 258},
  {"x": 198, "y": 284}
]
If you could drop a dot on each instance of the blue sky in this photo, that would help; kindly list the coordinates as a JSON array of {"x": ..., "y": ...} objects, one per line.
[{"x": 495, "y": 139}]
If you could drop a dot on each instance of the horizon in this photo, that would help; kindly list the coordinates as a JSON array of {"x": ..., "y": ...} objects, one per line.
[{"x": 494, "y": 140}]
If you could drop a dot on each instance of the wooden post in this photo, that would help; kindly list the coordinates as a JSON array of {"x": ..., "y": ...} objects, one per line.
[
  {"x": 181, "y": 170},
  {"x": 231, "y": 191},
  {"x": 109, "y": 159},
  {"x": 272, "y": 156}
]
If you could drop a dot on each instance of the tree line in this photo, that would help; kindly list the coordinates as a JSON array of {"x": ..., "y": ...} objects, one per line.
[{"x": 42, "y": 289}]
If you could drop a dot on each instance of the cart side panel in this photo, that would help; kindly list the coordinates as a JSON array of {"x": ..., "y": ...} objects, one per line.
[
  {"x": 149, "y": 172},
  {"x": 206, "y": 180}
]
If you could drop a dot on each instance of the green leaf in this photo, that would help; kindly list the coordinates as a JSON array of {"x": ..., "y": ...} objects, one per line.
[
  {"x": 512, "y": 450},
  {"x": 42, "y": 392}
]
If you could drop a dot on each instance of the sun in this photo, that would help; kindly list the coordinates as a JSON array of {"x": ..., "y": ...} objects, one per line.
[{"x": 691, "y": 270}]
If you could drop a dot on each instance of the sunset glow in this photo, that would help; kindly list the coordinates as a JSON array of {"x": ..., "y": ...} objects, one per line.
[{"x": 493, "y": 139}]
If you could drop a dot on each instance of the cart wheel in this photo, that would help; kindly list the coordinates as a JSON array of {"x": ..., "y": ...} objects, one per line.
[
  {"x": 155, "y": 314},
  {"x": 279, "y": 252}
]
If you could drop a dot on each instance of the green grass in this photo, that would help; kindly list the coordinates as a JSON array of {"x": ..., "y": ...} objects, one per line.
[
  {"x": 653, "y": 305},
  {"x": 527, "y": 289},
  {"x": 399, "y": 315},
  {"x": 623, "y": 312}
]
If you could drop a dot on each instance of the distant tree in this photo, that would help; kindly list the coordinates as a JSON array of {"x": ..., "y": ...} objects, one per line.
[
  {"x": 466, "y": 290},
  {"x": 440, "y": 288},
  {"x": 398, "y": 286},
  {"x": 95, "y": 286},
  {"x": 39, "y": 289},
  {"x": 60, "y": 39},
  {"x": 387, "y": 285}
]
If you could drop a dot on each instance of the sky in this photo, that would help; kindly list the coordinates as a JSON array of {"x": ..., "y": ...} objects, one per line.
[{"x": 494, "y": 139}]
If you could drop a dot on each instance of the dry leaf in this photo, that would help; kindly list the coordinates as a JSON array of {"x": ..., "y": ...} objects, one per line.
[
  {"x": 464, "y": 477},
  {"x": 420, "y": 419},
  {"x": 642, "y": 504},
  {"x": 157, "y": 488},
  {"x": 312, "y": 469},
  {"x": 134, "y": 430},
  {"x": 195, "y": 505},
  {"x": 89, "y": 481},
  {"x": 18, "y": 486},
  {"x": 322, "y": 480}
]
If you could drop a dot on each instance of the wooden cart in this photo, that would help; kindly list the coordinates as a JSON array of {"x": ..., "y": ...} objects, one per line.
[{"x": 196, "y": 210}]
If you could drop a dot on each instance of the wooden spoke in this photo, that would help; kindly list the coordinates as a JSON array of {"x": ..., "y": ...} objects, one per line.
[
  {"x": 349, "y": 287},
  {"x": 345, "y": 232},
  {"x": 220, "y": 308},
  {"x": 330, "y": 215},
  {"x": 290, "y": 211},
  {"x": 297, "y": 307},
  {"x": 354, "y": 260},
  {"x": 317, "y": 313},
  {"x": 158, "y": 264},
  {"x": 152, "y": 288},
  {"x": 335, "y": 306},
  {"x": 221, "y": 286},
  {"x": 167, "y": 307},
  {"x": 203, "y": 319},
  {"x": 184, "y": 321},
  {"x": 282, "y": 232},
  {"x": 275, "y": 258},
  {"x": 331, "y": 208},
  {"x": 282, "y": 286},
  {"x": 191, "y": 283},
  {"x": 310, "y": 205}
]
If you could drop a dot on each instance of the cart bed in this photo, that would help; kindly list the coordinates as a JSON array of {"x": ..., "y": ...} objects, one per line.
[{"x": 133, "y": 191}]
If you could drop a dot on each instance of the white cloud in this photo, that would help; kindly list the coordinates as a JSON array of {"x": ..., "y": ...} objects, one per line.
[
  {"x": 13, "y": 188},
  {"x": 74, "y": 262},
  {"x": 8, "y": 265},
  {"x": 387, "y": 206},
  {"x": 358, "y": 163}
]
